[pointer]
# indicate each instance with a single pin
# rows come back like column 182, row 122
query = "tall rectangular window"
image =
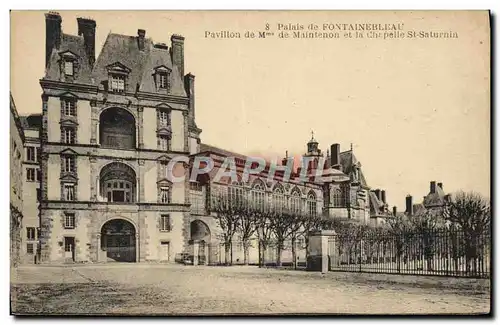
column 68, row 68
column 29, row 248
column 163, row 117
column 38, row 174
column 68, row 135
column 30, row 174
column 163, row 80
column 165, row 222
column 31, row 154
column 69, row 107
column 118, row 83
column 69, row 164
column 37, row 154
column 163, row 142
column 68, row 192
column 164, row 195
column 30, row 233
column 69, row 220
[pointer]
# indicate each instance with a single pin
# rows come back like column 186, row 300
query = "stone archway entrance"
column 200, row 240
column 118, row 241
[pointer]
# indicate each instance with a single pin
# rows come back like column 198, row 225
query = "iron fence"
column 440, row 252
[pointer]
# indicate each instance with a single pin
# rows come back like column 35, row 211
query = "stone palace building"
column 94, row 168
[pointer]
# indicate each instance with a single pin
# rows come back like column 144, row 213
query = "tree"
column 425, row 224
column 401, row 231
column 284, row 225
column 248, row 225
column 471, row 213
column 227, row 213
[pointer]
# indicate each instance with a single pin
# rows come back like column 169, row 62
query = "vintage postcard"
column 250, row 162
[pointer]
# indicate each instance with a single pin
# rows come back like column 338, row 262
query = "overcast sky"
column 415, row 110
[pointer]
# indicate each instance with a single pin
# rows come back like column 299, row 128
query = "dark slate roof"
column 75, row 45
column 125, row 50
column 347, row 161
column 31, row 121
column 418, row 208
column 121, row 49
column 434, row 199
column 206, row 147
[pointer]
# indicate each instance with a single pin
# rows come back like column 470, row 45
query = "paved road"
column 175, row 289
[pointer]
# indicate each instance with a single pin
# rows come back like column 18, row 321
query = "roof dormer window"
column 117, row 77
column 117, row 83
column 162, row 78
column 68, row 67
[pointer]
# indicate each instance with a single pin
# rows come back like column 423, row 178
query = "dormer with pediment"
column 162, row 76
column 118, row 77
column 69, row 66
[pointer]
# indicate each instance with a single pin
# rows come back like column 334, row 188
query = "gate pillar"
column 318, row 250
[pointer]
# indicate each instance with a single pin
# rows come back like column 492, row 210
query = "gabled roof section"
column 347, row 162
column 160, row 59
column 75, row 45
column 375, row 204
column 31, row 121
column 122, row 49
column 435, row 199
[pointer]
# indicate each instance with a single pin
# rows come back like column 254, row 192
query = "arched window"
column 279, row 201
column 338, row 198
column 118, row 183
column 117, row 129
column 311, row 204
column 236, row 194
column 258, row 196
column 295, row 202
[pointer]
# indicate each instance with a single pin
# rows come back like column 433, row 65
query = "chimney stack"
column 284, row 161
column 409, row 205
column 382, row 196
column 394, row 210
column 141, row 35
column 177, row 52
column 52, row 33
column 377, row 194
column 189, row 87
column 433, row 187
column 440, row 185
column 335, row 155
column 86, row 27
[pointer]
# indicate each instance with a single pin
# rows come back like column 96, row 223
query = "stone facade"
column 109, row 127
column 16, row 184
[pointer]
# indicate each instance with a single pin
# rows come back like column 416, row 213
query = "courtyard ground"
column 142, row 289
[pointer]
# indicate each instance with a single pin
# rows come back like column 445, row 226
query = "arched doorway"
column 200, row 235
column 118, row 241
column 117, row 129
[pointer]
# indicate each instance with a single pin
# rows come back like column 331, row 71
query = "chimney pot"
column 382, row 196
column 335, row 155
column 440, row 185
column 409, row 205
column 86, row 27
column 177, row 52
column 141, row 34
column 394, row 210
column 53, row 34
column 433, row 187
